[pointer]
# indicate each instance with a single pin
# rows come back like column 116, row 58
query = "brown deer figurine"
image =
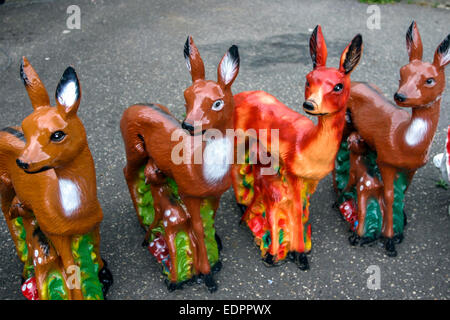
column 148, row 132
column 401, row 139
column 367, row 184
column 49, row 194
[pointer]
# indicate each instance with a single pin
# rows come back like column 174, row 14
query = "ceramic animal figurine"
column 365, row 182
column 442, row 160
column 176, row 201
column 49, row 195
column 398, row 141
column 276, row 207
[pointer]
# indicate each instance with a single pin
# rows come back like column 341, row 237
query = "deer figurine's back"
column 177, row 153
column 277, row 206
column 400, row 141
column 49, row 196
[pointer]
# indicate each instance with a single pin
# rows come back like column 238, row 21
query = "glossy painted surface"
column 401, row 139
column 147, row 132
column 49, row 175
column 306, row 152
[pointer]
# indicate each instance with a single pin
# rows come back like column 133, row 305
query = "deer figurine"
column 152, row 135
column 49, row 195
column 399, row 141
column 367, row 184
column 277, row 206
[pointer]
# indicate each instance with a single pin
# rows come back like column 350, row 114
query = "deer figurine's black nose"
column 399, row 97
column 308, row 105
column 187, row 126
column 21, row 164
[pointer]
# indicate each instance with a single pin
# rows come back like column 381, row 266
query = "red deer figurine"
column 277, row 206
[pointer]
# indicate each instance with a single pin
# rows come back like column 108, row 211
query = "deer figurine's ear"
column 68, row 92
column 442, row 54
column 318, row 48
column 414, row 43
column 35, row 88
column 228, row 67
column 193, row 60
column 351, row 55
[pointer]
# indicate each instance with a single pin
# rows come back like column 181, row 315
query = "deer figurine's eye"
column 307, row 83
column 430, row 82
column 217, row 105
column 338, row 87
column 57, row 136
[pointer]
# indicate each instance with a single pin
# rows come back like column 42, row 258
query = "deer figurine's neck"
column 76, row 183
column 316, row 151
column 422, row 126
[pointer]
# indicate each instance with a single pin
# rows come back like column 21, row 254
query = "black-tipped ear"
column 36, row 90
column 68, row 92
column 193, row 60
column 229, row 66
column 351, row 55
column 442, row 54
column 318, row 48
column 414, row 43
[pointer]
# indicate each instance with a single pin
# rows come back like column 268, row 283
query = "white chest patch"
column 69, row 195
column 416, row 132
column 217, row 157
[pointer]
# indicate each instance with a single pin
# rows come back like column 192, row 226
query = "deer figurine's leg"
column 297, row 244
column 388, row 176
column 136, row 157
column 63, row 246
column 170, row 239
column 362, row 206
column 202, row 264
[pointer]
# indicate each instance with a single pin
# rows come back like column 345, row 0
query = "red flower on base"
column 158, row 248
column 349, row 211
column 29, row 289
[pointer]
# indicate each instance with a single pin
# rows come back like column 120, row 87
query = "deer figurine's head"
column 54, row 135
column 422, row 83
column 209, row 103
column 327, row 89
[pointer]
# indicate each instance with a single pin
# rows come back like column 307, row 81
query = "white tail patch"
column 228, row 68
column 69, row 195
column 416, row 132
column 68, row 94
column 217, row 158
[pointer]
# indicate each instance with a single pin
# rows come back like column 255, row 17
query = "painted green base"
column 54, row 287
column 373, row 221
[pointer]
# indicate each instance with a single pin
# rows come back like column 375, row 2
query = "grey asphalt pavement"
column 128, row 52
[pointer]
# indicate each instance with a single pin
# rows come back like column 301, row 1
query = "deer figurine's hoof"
column 268, row 260
column 106, row 278
column 145, row 243
column 398, row 238
column 210, row 282
column 389, row 245
column 217, row 267
column 242, row 208
column 300, row 259
column 171, row 286
column 354, row 239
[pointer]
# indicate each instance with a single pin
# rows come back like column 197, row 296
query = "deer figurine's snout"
column 22, row 165
column 399, row 97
